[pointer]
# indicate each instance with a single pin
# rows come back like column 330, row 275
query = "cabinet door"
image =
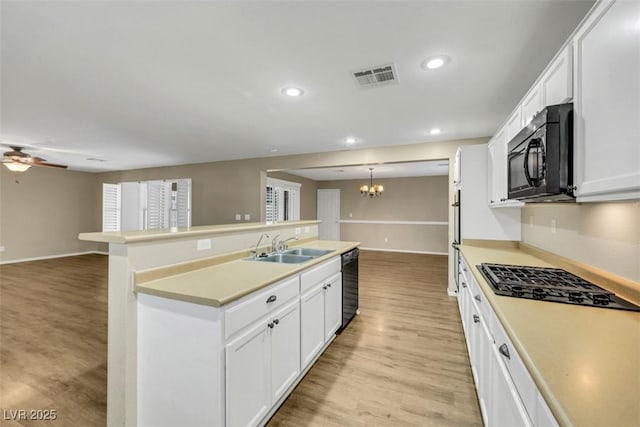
column 332, row 306
column 557, row 81
column 285, row 349
column 531, row 105
column 513, row 125
column 311, row 323
column 607, row 105
column 247, row 372
column 505, row 407
column 497, row 169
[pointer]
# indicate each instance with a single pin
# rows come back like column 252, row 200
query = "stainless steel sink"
column 283, row 258
column 307, row 252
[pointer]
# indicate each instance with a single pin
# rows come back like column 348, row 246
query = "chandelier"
column 371, row 190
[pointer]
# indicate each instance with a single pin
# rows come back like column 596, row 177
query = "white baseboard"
column 40, row 258
column 403, row 251
column 452, row 293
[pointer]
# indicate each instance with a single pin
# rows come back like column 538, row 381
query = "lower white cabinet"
column 261, row 365
column 507, row 394
column 321, row 316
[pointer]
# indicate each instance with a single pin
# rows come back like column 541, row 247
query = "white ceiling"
column 386, row 170
column 142, row 84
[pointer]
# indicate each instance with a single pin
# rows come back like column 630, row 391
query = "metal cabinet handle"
column 270, row 325
column 476, row 318
column 504, row 350
column 276, row 321
column 324, row 287
column 328, row 285
column 272, row 298
column 464, row 269
column 502, row 199
column 477, row 298
column 464, row 285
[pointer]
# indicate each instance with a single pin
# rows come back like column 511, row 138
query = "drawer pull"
column 272, row 298
column 276, row 321
column 324, row 287
column 270, row 325
column 504, row 350
column 464, row 285
column 476, row 318
column 328, row 285
column 477, row 298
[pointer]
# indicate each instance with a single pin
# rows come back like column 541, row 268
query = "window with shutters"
column 282, row 200
column 153, row 205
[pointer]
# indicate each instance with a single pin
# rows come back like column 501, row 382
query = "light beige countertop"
column 223, row 283
column 204, row 230
column 584, row 360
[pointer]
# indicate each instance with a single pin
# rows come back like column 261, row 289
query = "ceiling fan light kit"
column 372, row 190
column 19, row 161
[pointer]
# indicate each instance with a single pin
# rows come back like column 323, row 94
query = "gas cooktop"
column 549, row 284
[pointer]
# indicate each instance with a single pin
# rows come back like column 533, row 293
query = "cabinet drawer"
column 477, row 295
column 319, row 273
column 517, row 370
column 256, row 306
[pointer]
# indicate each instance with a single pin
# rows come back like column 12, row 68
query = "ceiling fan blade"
column 49, row 165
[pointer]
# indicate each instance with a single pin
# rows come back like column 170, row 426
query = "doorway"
column 329, row 214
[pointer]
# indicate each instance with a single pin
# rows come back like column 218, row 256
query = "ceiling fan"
column 17, row 160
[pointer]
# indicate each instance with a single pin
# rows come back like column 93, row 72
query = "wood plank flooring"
column 53, row 340
column 402, row 361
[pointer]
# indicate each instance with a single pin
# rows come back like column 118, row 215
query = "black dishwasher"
column 349, row 286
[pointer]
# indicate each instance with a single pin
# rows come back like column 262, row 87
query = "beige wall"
column 43, row 210
column 604, row 235
column 404, row 199
column 308, row 193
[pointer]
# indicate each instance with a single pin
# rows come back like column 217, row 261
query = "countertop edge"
column 124, row 237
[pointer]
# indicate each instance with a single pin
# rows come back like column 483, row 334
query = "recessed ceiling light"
column 435, row 131
column 350, row 140
column 434, row 62
column 292, row 91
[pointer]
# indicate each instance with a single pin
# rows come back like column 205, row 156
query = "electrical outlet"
column 247, row 217
column 238, row 217
column 350, row 214
column 553, row 226
column 1, row 248
column 204, row 244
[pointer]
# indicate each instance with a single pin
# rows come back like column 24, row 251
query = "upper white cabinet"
column 607, row 103
column 556, row 83
column 513, row 125
column 531, row 105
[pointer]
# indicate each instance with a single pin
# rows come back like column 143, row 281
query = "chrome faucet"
column 283, row 243
column 255, row 252
column 274, row 244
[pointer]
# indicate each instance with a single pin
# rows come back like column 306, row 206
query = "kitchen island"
column 584, row 361
column 142, row 264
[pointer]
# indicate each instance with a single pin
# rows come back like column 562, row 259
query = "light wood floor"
column 53, row 340
column 402, row 361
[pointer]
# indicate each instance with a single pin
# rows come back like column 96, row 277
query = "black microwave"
column 540, row 157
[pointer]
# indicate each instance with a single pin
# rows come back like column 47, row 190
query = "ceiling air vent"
column 376, row 76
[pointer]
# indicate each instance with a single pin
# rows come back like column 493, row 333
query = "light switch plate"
column 1, row 248
column 247, row 217
column 238, row 217
column 204, row 244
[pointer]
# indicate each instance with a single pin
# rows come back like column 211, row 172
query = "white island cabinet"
column 607, row 103
column 233, row 365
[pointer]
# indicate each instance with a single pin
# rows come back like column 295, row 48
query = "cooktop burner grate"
column 549, row 284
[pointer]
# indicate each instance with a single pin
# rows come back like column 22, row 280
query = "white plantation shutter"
column 111, row 207
column 282, row 200
column 158, row 199
column 184, row 202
